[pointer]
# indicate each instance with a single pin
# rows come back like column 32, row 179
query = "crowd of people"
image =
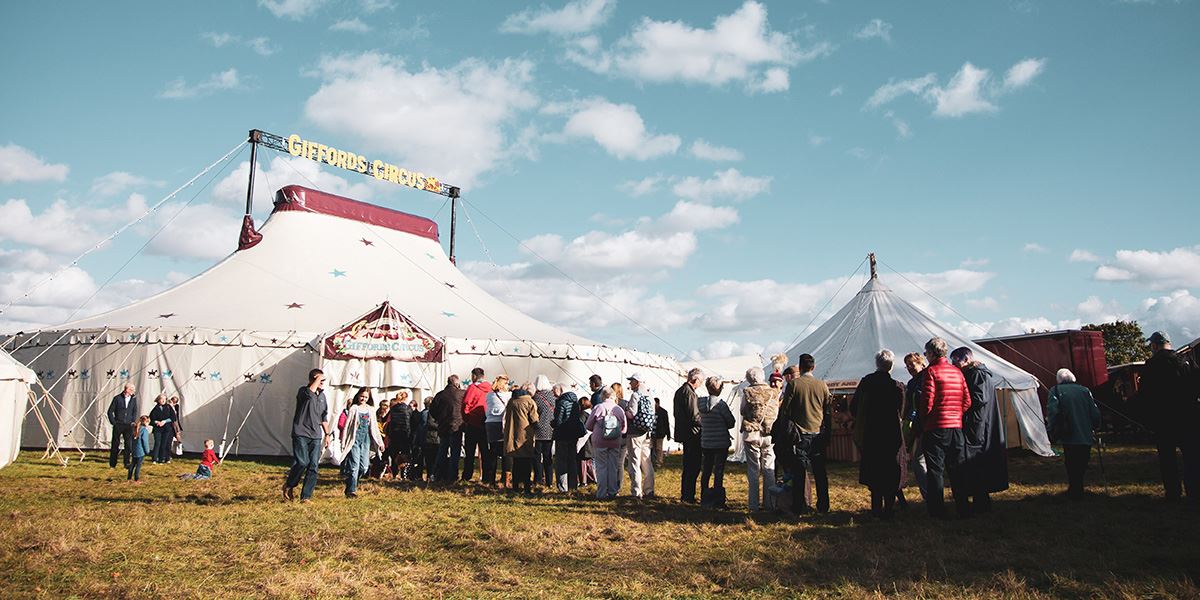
column 944, row 425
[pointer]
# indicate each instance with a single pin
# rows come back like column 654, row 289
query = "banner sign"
column 298, row 146
column 383, row 334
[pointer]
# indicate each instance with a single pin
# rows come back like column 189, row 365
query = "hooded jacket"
column 715, row 421
column 520, row 425
column 474, row 404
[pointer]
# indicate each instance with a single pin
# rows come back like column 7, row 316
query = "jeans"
column 712, row 464
column 639, row 466
column 916, row 466
column 1076, row 456
column 760, row 463
column 495, row 440
column 162, row 443
column 809, row 457
column 449, row 450
column 1168, row 462
column 691, row 470
column 566, row 463
column 522, row 471
column 358, row 460
column 943, row 450
column 429, row 455
column 543, row 462
column 121, row 433
column 306, row 456
column 608, row 471
column 656, row 452
column 135, row 468
column 476, row 437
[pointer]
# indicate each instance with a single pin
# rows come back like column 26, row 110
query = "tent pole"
column 453, row 221
column 255, row 138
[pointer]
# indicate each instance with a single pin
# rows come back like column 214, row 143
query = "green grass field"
column 82, row 531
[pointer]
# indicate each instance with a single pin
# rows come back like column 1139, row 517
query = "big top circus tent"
column 365, row 292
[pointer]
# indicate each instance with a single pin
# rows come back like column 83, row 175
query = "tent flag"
column 383, row 334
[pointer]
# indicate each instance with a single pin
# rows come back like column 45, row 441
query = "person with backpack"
column 639, row 462
column 607, row 424
column 568, row 428
column 715, row 421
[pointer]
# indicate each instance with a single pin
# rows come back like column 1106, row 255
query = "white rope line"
column 478, row 237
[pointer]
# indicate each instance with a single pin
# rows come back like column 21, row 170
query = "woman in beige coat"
column 520, row 430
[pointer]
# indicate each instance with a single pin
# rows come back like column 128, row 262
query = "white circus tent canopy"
column 844, row 348
column 15, row 382
column 237, row 340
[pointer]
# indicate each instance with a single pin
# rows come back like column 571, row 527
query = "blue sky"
column 711, row 171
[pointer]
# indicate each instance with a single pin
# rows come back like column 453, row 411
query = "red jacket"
column 209, row 459
column 475, row 403
column 944, row 396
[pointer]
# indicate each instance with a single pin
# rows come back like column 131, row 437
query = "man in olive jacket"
column 806, row 401
column 687, row 433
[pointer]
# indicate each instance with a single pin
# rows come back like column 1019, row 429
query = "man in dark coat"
column 122, row 414
column 446, row 411
column 876, row 408
column 1169, row 397
column 986, row 466
column 687, row 433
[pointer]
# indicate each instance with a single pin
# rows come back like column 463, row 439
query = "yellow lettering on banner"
column 391, row 173
column 420, row 183
column 322, row 152
column 341, row 159
column 298, row 146
column 293, row 145
column 377, row 169
column 362, row 164
column 313, row 151
column 402, row 176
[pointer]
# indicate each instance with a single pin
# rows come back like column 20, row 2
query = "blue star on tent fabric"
column 223, row 338
column 337, row 273
column 430, row 256
column 264, row 378
column 124, row 373
column 447, row 313
column 166, row 374
column 85, row 374
column 215, row 376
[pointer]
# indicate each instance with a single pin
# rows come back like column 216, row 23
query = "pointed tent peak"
column 874, row 285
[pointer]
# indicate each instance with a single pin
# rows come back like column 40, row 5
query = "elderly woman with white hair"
column 1071, row 417
column 876, row 406
column 760, row 408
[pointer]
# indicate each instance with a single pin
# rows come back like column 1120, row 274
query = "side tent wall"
column 1023, row 422
column 218, row 386
column 14, row 400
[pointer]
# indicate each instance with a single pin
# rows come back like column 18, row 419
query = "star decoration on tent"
column 430, row 256
column 447, row 313
column 473, row 348
column 223, row 339
column 167, row 374
column 166, row 315
column 264, row 378
column 111, row 373
column 198, row 375
column 214, row 376
column 450, row 285
column 367, row 242
column 337, row 273
column 85, row 374
column 295, row 305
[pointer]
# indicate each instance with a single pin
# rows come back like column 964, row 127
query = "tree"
column 1124, row 342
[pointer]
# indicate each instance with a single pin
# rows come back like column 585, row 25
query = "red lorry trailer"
column 1043, row 354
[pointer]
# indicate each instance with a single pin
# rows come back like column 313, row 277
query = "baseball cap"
column 1159, row 337
column 636, row 377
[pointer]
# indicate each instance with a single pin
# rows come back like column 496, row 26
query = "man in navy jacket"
column 122, row 414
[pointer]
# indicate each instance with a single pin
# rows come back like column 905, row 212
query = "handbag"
column 177, row 446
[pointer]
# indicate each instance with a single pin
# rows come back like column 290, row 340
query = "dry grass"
column 82, row 531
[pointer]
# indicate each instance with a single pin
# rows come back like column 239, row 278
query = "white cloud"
column 579, row 16
column 739, row 48
column 641, row 187
column 859, row 152
column 453, row 123
column 118, row 182
column 706, row 151
column 837, row 90
column 1177, row 313
column 619, row 129
column 374, row 6
column 71, row 294
column 1095, row 310
column 985, row 303
column 692, row 216
column 816, row 141
column 1078, row 255
column 291, row 9
column 902, row 129
column 875, row 28
column 60, row 228
column 963, row 95
column 1178, row 268
column 974, row 262
column 1019, row 326
column 354, row 25
column 728, row 184
column 260, row 45
column 179, row 88
column 18, row 164
column 200, row 231
column 1023, row 73
column 894, row 89
column 281, row 171
column 1033, row 247
column 718, row 349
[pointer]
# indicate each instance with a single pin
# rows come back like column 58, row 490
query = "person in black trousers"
column 687, row 433
column 163, row 419
column 122, row 414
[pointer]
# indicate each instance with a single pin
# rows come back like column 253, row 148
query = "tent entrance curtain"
column 1022, row 428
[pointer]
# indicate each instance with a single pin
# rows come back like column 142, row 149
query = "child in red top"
column 208, row 462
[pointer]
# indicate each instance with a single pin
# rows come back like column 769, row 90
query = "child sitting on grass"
column 208, row 462
column 141, row 447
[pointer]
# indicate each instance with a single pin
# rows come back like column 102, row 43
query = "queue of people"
column 944, row 425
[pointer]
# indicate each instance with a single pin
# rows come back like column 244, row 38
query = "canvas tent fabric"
column 236, row 341
column 15, row 382
column 844, row 348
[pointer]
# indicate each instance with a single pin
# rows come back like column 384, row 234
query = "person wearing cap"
column 1166, row 393
column 640, row 415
